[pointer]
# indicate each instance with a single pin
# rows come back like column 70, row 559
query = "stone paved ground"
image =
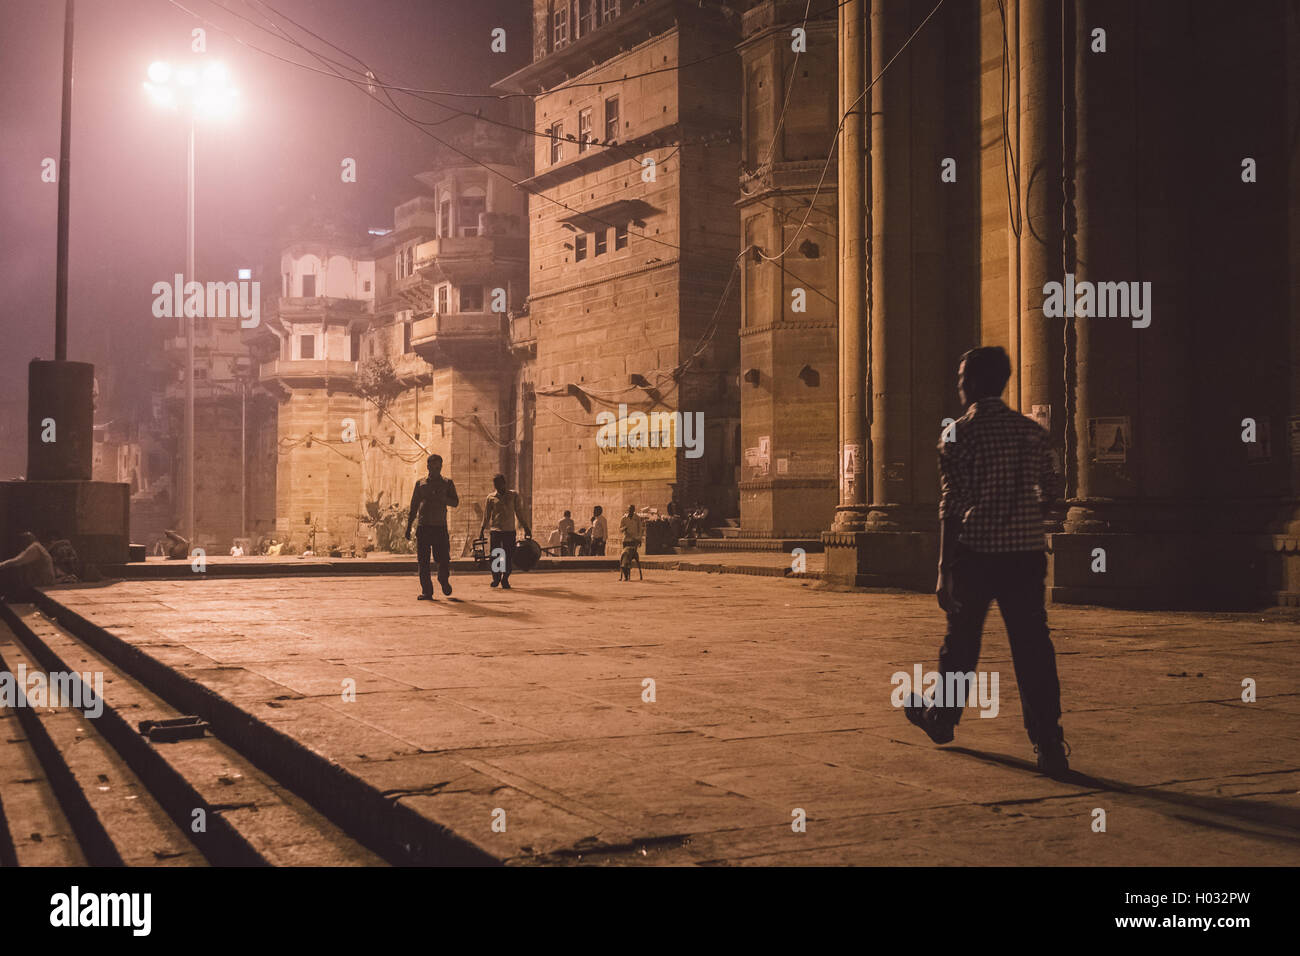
column 771, row 695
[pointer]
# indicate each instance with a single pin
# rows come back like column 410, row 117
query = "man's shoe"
column 1052, row 752
column 928, row 719
column 425, row 597
column 495, row 584
column 506, row 585
column 446, row 587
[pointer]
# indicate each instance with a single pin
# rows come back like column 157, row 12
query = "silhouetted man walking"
column 500, row 510
column 430, row 499
column 997, row 479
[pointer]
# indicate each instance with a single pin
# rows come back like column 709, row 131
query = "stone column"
column 1106, row 201
column 1038, row 248
column 909, row 244
column 851, row 513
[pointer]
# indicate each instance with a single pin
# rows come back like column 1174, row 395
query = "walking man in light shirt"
column 503, row 506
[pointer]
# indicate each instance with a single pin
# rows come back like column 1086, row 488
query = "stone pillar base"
column 1169, row 570
column 882, row 559
column 93, row 515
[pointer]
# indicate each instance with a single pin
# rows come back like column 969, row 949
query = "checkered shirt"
column 995, row 475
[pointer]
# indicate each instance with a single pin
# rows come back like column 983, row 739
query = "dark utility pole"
column 65, row 141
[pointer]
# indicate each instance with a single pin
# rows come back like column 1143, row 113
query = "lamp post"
column 244, row 375
column 205, row 93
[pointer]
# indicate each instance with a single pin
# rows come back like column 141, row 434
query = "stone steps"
column 193, row 801
column 339, row 817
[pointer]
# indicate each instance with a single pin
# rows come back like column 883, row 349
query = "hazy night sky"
column 128, row 157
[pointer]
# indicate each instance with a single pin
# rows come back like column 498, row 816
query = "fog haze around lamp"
column 205, row 93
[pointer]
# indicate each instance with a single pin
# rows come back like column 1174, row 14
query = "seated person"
column 32, row 567
column 565, row 528
column 177, row 547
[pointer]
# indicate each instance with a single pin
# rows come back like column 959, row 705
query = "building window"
column 557, row 143
column 586, row 13
column 406, row 337
column 306, row 346
column 620, row 236
column 443, row 306
column 473, row 203
column 354, row 341
column 309, row 287
column 367, row 286
column 444, row 217
column 471, row 298
column 608, row 10
column 584, row 129
column 579, row 248
column 602, row 238
column 410, row 260
column 562, row 25
column 611, row 119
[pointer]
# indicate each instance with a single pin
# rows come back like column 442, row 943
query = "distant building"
column 633, row 235
column 384, row 350
column 233, row 444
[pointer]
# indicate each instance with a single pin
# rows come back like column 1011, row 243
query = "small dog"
column 625, row 562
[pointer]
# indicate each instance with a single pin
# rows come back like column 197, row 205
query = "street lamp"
column 243, row 372
column 202, row 93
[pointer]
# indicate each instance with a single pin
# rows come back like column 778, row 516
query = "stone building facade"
column 633, row 237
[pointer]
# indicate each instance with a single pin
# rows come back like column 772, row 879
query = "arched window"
column 473, row 203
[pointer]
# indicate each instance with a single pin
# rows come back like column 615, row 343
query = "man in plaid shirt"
column 997, row 478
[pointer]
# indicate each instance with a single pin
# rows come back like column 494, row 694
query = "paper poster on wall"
column 1043, row 415
column 1110, row 438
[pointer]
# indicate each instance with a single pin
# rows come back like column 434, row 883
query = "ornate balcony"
column 305, row 373
column 462, row 259
column 459, row 336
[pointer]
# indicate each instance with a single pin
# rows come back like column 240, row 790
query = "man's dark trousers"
column 1016, row 580
column 432, row 539
column 505, row 540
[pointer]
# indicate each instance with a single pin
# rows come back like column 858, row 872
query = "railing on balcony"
column 307, row 369
column 452, row 329
column 484, row 247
